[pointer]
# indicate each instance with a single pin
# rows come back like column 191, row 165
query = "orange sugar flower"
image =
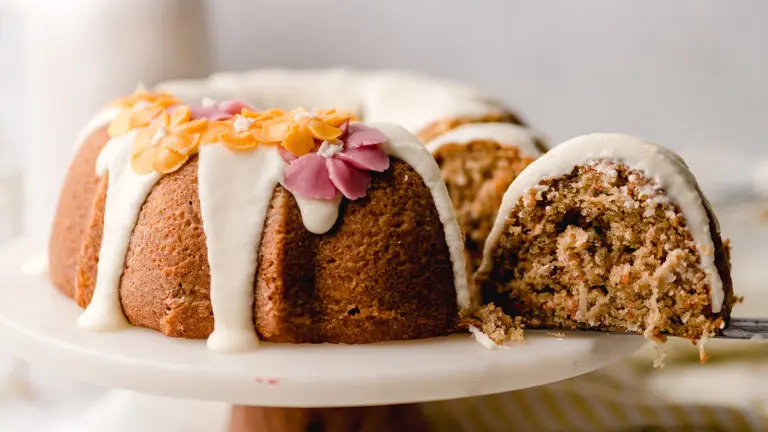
column 298, row 129
column 215, row 129
column 243, row 132
column 168, row 142
column 138, row 110
column 139, row 95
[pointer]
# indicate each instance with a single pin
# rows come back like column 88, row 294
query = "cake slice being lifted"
column 609, row 232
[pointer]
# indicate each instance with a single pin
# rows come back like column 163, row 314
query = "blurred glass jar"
column 80, row 54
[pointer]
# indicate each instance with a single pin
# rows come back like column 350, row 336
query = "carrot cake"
column 219, row 221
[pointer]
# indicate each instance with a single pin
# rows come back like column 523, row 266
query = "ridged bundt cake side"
column 189, row 217
column 75, row 205
column 360, row 282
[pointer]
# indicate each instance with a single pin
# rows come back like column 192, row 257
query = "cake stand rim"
column 184, row 368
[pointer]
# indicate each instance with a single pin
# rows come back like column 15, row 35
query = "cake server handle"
column 746, row 328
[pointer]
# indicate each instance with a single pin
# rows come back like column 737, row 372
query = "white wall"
column 10, row 135
column 10, row 53
column 689, row 74
column 681, row 72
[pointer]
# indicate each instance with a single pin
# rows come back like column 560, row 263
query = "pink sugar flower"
column 215, row 111
column 339, row 165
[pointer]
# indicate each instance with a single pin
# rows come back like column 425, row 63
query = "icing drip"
column 406, row 147
column 126, row 192
column 100, row 120
column 664, row 166
column 505, row 134
column 319, row 215
column 235, row 191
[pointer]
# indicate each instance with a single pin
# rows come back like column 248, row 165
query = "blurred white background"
column 688, row 74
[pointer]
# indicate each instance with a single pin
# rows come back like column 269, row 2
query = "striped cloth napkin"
column 617, row 398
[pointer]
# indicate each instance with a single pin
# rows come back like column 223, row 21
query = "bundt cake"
column 609, row 232
column 222, row 222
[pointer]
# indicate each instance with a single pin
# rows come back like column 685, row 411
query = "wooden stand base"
column 358, row 419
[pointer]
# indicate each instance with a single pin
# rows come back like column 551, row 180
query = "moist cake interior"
column 601, row 247
column 477, row 174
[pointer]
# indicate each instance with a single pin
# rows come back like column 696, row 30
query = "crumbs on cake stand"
column 491, row 327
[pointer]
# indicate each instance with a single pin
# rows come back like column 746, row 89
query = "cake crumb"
column 557, row 334
column 489, row 324
column 703, row 354
column 659, row 340
column 661, row 352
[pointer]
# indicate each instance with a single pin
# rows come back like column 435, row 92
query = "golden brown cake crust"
column 72, row 214
column 382, row 273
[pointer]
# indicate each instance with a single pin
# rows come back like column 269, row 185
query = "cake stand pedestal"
column 39, row 325
column 386, row 418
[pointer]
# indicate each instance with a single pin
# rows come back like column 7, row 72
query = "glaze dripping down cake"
column 179, row 214
column 609, row 232
column 221, row 222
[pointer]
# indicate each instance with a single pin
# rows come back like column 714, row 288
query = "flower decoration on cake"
column 244, row 132
column 298, row 130
column 138, row 110
column 339, row 164
column 168, row 142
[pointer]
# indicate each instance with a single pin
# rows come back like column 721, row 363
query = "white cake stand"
column 39, row 325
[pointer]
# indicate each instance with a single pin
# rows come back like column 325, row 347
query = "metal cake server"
column 738, row 329
column 746, row 328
